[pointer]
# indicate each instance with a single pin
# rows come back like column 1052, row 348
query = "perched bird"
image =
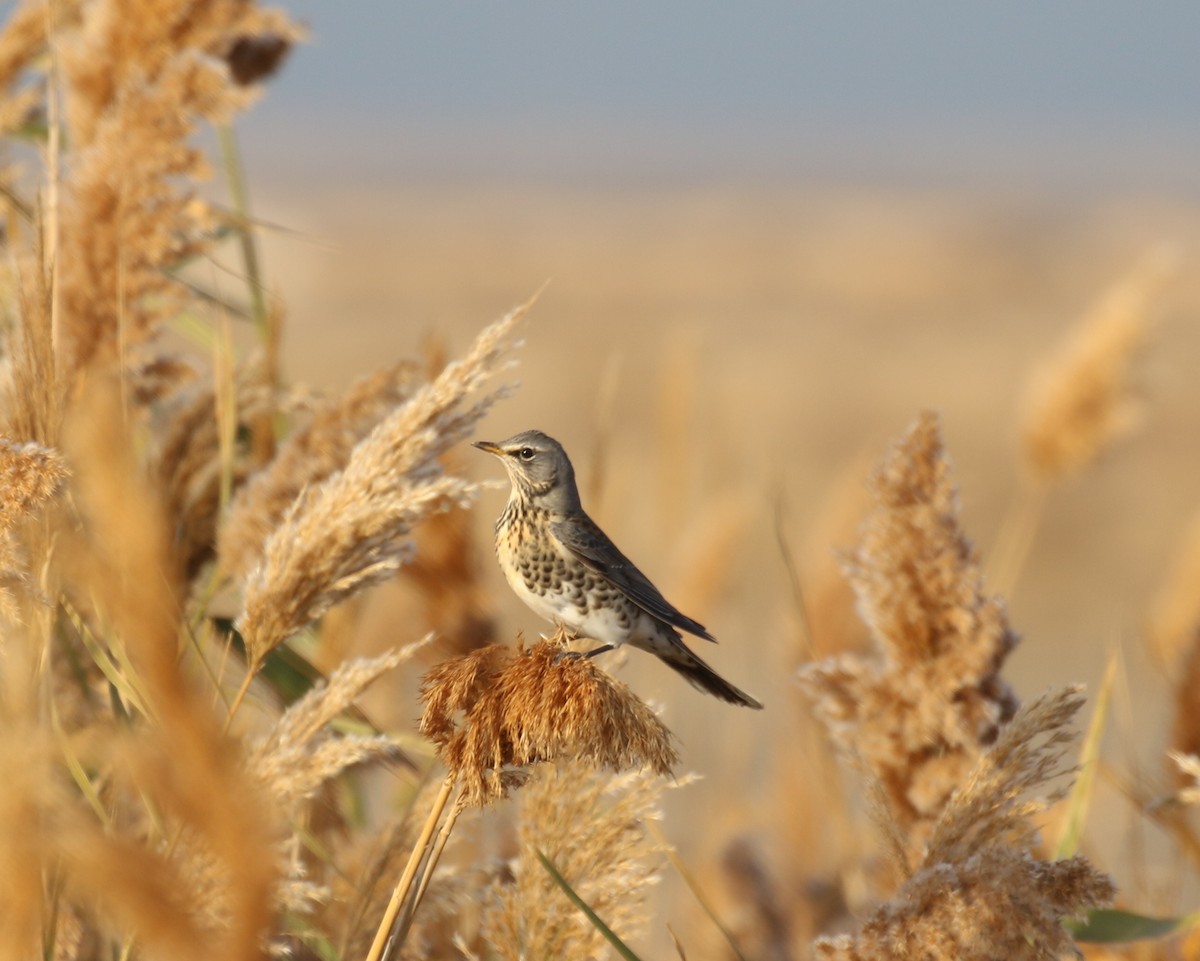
column 565, row 568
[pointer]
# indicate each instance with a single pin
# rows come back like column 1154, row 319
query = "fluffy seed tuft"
column 495, row 711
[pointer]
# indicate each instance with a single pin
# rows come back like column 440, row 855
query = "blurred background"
column 774, row 233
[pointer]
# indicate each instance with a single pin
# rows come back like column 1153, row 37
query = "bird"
column 565, row 568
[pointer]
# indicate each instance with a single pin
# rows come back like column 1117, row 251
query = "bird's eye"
column 525, row 453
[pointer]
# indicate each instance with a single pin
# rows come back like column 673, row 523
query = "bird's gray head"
column 538, row 468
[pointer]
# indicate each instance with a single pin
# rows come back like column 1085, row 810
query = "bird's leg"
column 600, row 650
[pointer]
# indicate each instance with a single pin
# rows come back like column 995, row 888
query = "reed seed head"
column 494, row 712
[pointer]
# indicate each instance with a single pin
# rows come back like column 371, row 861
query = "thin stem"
column 434, row 856
column 53, row 155
column 231, row 159
column 404, row 885
column 251, row 670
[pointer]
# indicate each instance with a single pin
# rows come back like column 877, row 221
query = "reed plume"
column 137, row 81
column 981, row 891
column 353, row 530
column 592, row 828
column 1081, row 401
column 312, row 452
column 921, row 710
column 302, row 752
column 494, row 712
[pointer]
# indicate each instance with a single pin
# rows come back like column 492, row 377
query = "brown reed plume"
column 919, row 712
column 981, row 891
column 352, row 530
column 495, row 712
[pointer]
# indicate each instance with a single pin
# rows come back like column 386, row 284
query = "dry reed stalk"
column 122, row 573
column 495, row 712
column 353, row 530
column 34, row 396
column 435, row 851
column 593, row 828
column 1081, row 401
column 309, row 455
column 922, row 710
column 981, row 892
column 366, row 893
column 400, row 894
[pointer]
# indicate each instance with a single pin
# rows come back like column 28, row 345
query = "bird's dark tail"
column 701, row 676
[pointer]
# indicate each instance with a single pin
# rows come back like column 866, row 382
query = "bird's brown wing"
column 580, row 535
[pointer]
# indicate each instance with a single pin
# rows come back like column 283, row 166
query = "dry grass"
column 981, row 891
column 184, row 533
column 612, row 864
column 922, row 710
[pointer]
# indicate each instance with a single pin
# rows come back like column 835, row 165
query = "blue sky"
column 625, row 89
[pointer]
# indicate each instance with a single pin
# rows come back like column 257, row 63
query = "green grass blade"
column 1080, row 800
column 609, row 935
column 1109, row 926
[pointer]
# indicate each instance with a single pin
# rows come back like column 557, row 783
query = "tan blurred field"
column 711, row 354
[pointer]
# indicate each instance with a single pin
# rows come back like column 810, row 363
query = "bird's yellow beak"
column 487, row 445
